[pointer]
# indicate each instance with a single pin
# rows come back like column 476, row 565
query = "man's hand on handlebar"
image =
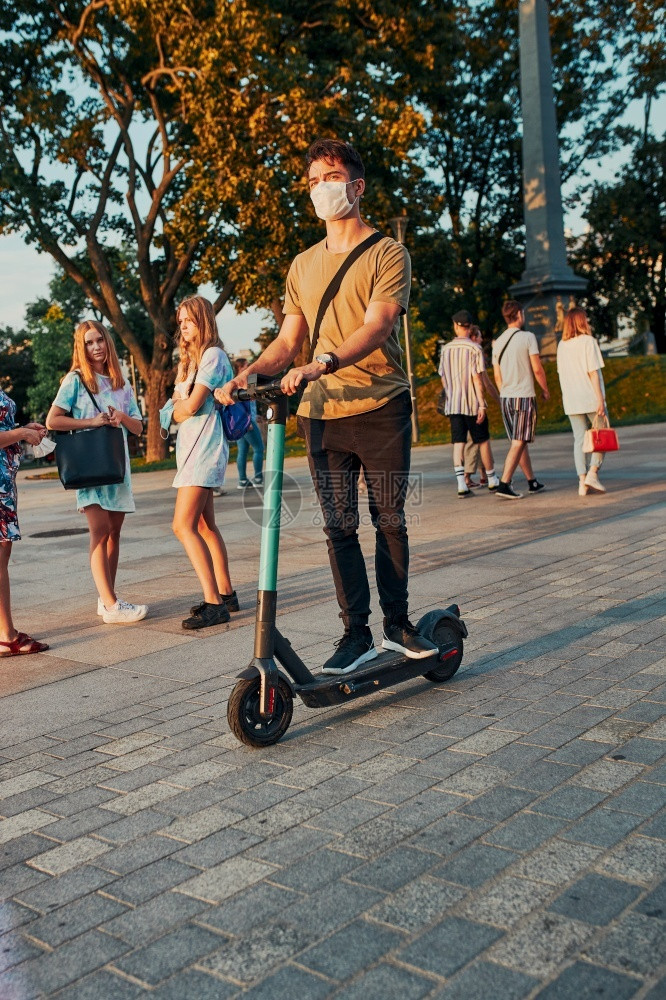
column 223, row 395
column 296, row 376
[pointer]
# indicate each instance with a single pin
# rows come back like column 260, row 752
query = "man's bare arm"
column 379, row 321
column 498, row 377
column 490, row 387
column 275, row 358
column 540, row 375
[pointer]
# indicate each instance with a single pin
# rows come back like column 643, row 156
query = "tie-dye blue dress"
column 10, row 459
column 202, row 450
column 73, row 398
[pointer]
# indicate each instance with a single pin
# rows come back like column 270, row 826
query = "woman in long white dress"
column 579, row 364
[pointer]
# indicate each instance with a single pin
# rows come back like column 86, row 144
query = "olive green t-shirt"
column 382, row 274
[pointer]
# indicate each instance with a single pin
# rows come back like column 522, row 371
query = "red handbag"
column 600, row 439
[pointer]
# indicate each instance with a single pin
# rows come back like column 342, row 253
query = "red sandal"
column 14, row 648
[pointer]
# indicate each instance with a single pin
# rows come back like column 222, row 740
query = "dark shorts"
column 519, row 417
column 461, row 423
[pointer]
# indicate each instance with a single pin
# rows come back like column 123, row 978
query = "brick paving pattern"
column 503, row 834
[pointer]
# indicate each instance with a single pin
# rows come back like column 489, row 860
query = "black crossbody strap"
column 499, row 360
column 334, row 286
column 94, row 401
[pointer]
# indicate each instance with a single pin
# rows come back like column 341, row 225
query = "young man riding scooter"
column 356, row 409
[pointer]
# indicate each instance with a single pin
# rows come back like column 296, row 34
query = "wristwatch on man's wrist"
column 330, row 360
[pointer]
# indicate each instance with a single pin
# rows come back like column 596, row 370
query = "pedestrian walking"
column 202, row 452
column 253, row 440
column 472, row 456
column 516, row 364
column 461, row 368
column 95, row 393
column 356, row 409
column 12, row 642
column 579, row 364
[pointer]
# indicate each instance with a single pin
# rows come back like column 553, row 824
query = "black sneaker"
column 355, row 647
column 210, row 614
column 505, row 491
column 535, row 486
column 401, row 635
column 231, row 601
column 466, row 493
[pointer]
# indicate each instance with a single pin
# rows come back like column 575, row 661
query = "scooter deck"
column 388, row 669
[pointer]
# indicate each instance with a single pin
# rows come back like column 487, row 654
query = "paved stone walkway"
column 501, row 835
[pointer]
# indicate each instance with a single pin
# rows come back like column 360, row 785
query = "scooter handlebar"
column 259, row 387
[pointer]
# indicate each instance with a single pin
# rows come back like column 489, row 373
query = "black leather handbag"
column 92, row 457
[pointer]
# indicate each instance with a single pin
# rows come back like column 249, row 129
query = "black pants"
column 379, row 442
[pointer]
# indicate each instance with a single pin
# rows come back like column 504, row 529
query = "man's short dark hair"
column 334, row 149
column 510, row 310
column 463, row 318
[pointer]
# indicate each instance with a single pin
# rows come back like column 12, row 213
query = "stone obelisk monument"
column 548, row 286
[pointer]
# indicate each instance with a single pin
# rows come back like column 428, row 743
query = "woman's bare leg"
column 116, row 518
column 190, row 504
column 215, row 544
column 99, row 526
column 7, row 630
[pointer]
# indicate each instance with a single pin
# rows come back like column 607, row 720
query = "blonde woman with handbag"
column 94, row 393
column 579, row 364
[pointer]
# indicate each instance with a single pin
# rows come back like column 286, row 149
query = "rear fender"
column 429, row 622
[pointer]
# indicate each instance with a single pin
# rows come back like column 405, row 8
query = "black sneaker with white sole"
column 400, row 635
column 505, row 491
column 535, row 486
column 356, row 647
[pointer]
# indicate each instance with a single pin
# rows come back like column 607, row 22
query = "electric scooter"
column 261, row 704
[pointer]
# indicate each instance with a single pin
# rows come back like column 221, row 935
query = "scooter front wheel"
column 245, row 720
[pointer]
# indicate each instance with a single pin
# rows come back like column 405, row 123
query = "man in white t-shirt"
column 516, row 364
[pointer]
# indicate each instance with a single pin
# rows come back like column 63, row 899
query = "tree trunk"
column 158, row 379
column 157, row 388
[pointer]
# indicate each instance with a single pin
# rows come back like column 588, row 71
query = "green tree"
column 623, row 253
column 16, row 369
column 469, row 94
column 176, row 130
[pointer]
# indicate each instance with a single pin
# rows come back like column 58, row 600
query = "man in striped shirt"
column 461, row 367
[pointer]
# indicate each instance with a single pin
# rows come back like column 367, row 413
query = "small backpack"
column 236, row 419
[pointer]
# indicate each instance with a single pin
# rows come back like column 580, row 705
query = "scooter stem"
column 270, row 529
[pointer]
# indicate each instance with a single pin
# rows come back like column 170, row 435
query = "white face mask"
column 330, row 200
column 44, row 448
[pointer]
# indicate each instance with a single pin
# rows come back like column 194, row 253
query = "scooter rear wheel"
column 244, row 719
column 446, row 636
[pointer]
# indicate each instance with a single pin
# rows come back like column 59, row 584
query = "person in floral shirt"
column 12, row 642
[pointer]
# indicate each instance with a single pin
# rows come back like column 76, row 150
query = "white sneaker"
column 123, row 613
column 100, row 607
column 592, row 480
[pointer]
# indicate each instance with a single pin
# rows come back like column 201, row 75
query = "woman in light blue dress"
column 202, row 452
column 95, row 370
